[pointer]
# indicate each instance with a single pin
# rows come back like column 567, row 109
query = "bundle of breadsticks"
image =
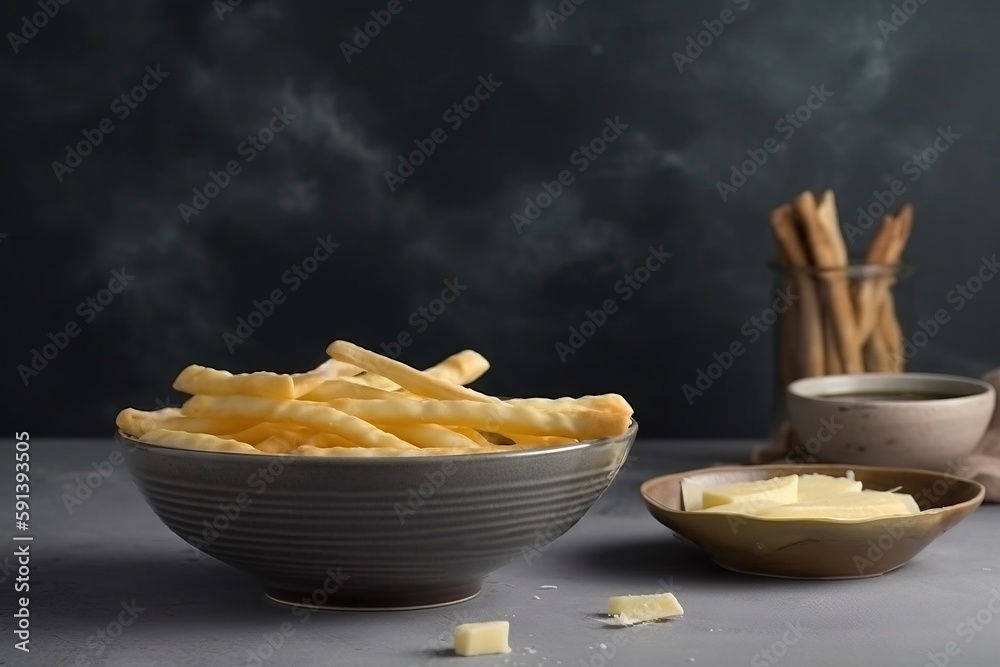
column 360, row 403
column 843, row 315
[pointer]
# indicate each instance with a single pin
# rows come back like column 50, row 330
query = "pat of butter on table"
column 482, row 638
column 632, row 609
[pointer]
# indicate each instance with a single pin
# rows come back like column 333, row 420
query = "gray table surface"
column 191, row 610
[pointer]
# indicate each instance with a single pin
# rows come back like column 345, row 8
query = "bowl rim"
column 264, row 457
column 980, row 388
column 778, row 467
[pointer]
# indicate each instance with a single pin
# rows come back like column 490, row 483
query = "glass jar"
column 840, row 320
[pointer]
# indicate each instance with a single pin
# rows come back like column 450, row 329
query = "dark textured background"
column 324, row 176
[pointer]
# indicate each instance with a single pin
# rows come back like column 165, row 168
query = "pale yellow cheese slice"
column 482, row 638
column 691, row 494
column 632, row 609
column 911, row 505
column 777, row 489
column 863, row 505
column 742, row 506
column 815, row 486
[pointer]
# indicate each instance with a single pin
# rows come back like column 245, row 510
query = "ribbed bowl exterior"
column 373, row 532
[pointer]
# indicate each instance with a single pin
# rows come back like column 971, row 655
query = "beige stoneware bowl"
column 848, row 419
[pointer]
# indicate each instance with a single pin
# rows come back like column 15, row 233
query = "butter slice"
column 691, row 492
column 776, row 489
column 815, row 486
column 632, row 609
column 749, row 507
column 482, row 638
column 856, row 506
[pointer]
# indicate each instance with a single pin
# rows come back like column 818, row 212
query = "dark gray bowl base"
column 399, row 601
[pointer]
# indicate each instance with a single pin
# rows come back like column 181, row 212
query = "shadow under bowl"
column 373, row 533
column 816, row 548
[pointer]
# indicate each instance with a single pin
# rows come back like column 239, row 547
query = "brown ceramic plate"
column 816, row 548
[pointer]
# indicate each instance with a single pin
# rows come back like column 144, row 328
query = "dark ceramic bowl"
column 378, row 532
column 816, row 548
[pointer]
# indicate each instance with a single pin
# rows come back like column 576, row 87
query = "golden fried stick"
column 493, row 417
column 460, row 368
column 312, row 415
column 610, row 402
column 407, row 377
column 198, row 441
column 430, row 435
column 139, row 422
column 332, row 389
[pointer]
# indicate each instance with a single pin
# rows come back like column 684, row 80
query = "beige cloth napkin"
column 982, row 465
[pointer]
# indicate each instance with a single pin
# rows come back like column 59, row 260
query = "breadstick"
column 491, row 417
column 870, row 293
column 887, row 249
column 332, row 389
column 788, row 326
column 840, row 304
column 138, row 422
column 407, row 377
column 199, row 441
column 832, row 355
column 826, row 212
column 611, row 402
column 429, row 435
column 313, row 415
column 810, row 352
column 892, row 333
column 461, row 368
column 878, row 358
